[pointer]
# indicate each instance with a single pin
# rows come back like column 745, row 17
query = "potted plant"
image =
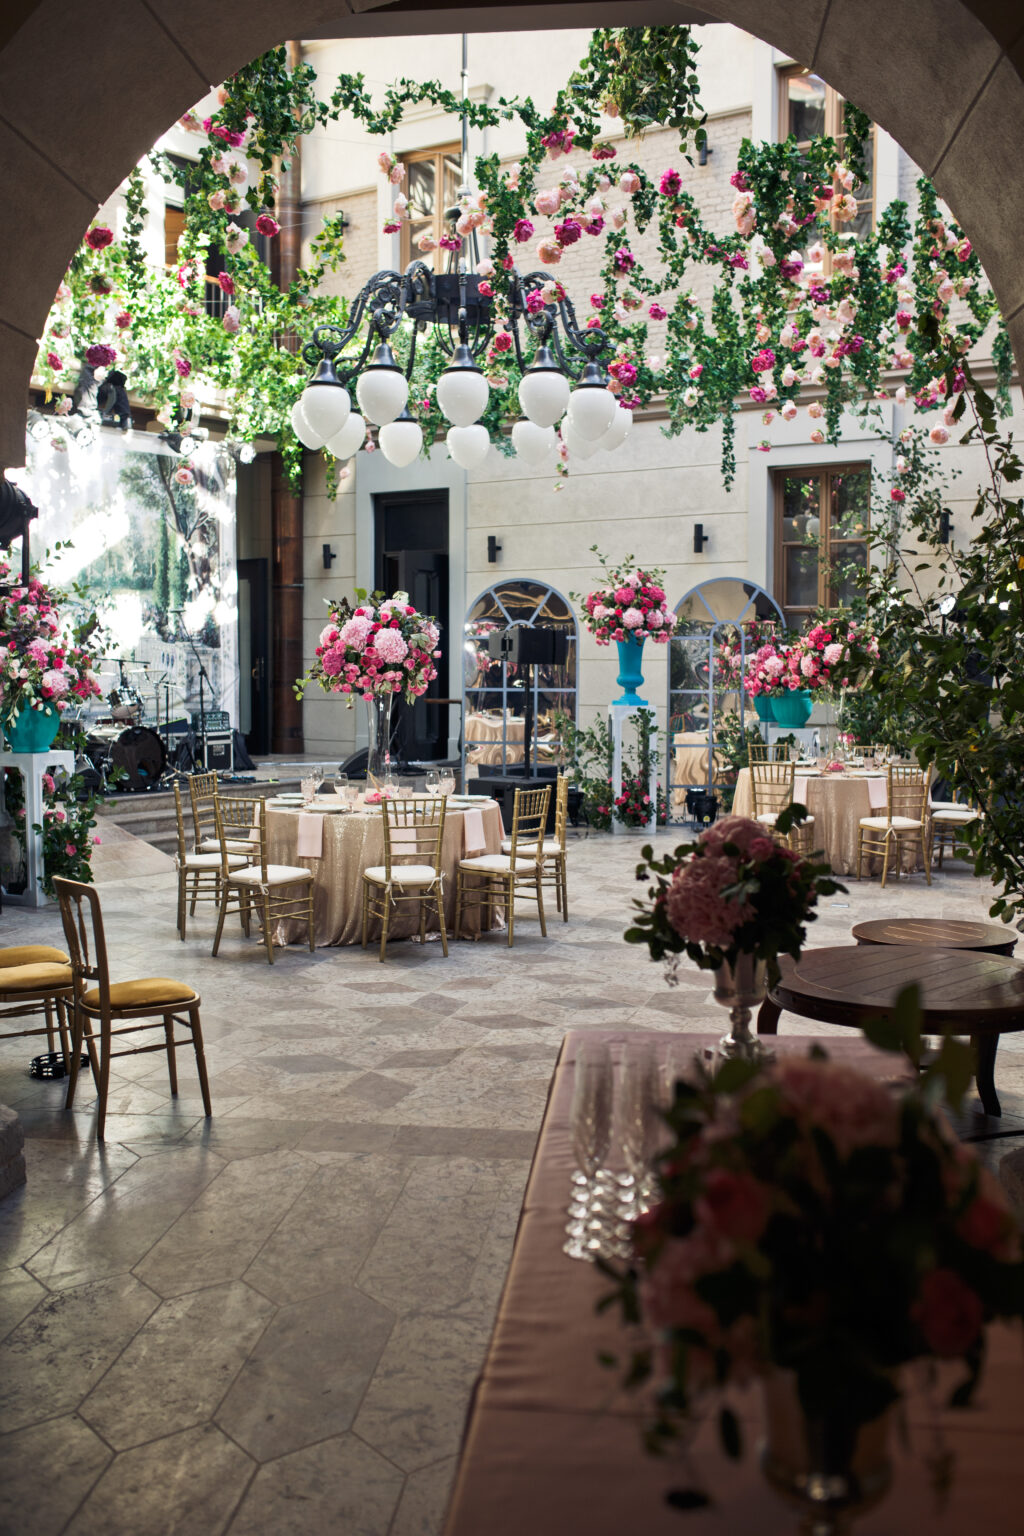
column 42, row 669
column 629, row 609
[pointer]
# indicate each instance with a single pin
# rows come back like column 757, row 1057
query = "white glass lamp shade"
column 469, row 446
column 622, row 425
column 544, row 395
column 382, row 393
column 350, row 439
column 592, row 410
column 579, row 447
column 532, row 444
column 302, row 429
column 325, row 408
column 401, row 441
column 462, row 393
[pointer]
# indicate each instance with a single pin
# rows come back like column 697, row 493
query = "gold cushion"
column 151, row 991
column 32, row 954
column 34, row 978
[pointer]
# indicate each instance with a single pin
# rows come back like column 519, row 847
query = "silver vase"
column 740, row 987
column 827, row 1468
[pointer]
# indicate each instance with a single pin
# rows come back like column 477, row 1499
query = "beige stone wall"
column 360, row 241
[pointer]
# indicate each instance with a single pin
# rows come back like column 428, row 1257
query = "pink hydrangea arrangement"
column 809, row 1218
column 735, row 891
column 382, row 646
column 631, row 604
column 830, row 656
column 766, row 673
column 41, row 666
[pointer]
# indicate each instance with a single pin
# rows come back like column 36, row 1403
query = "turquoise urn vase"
column 631, row 677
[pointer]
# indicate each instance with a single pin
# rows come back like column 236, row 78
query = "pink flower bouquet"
column 41, row 667
column 631, row 604
column 811, row 1219
column 381, row 647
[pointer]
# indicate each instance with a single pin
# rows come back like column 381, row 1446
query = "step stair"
column 149, row 815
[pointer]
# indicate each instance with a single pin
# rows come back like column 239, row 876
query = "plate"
column 328, row 805
column 290, row 799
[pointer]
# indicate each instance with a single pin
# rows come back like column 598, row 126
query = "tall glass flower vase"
column 378, row 721
column 631, row 677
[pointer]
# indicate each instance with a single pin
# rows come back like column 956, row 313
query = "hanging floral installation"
column 803, row 317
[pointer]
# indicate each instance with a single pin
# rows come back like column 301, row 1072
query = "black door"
column 253, row 658
column 411, row 543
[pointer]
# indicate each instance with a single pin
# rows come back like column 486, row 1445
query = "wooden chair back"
column 561, row 810
column 202, row 791
column 240, row 819
column 180, row 827
column 768, row 752
column 908, row 791
column 82, row 918
column 772, row 786
column 413, row 832
column 529, row 823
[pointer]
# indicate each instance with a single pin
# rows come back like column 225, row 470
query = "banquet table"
column 690, row 763
column 553, row 1444
column 837, row 801
column 354, row 841
column 484, row 739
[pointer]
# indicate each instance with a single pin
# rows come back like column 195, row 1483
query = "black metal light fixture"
column 945, row 525
column 493, row 549
column 329, row 555
column 700, row 538
column 703, row 152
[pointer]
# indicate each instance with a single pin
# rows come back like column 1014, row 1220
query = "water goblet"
column 308, row 786
column 447, row 781
column 352, row 795
column 433, row 782
column 340, row 784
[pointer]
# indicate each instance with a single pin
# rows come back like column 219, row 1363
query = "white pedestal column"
column 618, row 714
column 32, row 766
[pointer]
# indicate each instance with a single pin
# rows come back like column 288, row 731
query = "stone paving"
column 269, row 1323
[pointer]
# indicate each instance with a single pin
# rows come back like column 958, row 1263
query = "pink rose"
column 629, row 182
column 267, row 225
column 548, row 203
column 549, row 252
column 949, row 1313
column 231, row 319
column 96, row 239
column 734, row 1204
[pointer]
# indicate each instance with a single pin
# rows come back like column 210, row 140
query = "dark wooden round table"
column 942, row 932
column 962, row 991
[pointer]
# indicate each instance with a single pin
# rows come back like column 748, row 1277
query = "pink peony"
column 100, row 355
column 231, row 319
column 629, row 182
column 523, row 231
column 733, row 1204
column 549, row 252
column 96, row 239
column 740, row 831
column 267, row 225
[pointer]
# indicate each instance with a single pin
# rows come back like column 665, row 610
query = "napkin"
column 311, row 837
column 800, row 790
column 254, row 833
column 878, row 793
column 473, row 840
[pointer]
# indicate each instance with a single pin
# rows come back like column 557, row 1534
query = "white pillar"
column 618, row 714
column 32, row 766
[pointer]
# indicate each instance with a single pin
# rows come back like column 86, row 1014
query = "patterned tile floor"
column 270, row 1323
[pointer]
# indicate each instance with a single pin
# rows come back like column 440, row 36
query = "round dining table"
column 338, row 845
column 837, row 801
column 485, row 735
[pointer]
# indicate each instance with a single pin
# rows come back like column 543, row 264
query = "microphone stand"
column 203, row 676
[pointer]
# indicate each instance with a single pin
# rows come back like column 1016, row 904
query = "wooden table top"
column 943, row 932
column 963, row 989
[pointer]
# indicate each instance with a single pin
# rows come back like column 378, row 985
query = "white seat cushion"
column 211, row 861
column 487, row 864
column 882, row 823
column 550, row 847
column 277, row 874
column 235, row 845
column 769, row 818
column 401, row 874
column 959, row 817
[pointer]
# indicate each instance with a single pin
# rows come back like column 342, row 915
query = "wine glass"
column 352, row 794
column 433, row 782
column 308, row 786
column 340, row 784
column 447, row 781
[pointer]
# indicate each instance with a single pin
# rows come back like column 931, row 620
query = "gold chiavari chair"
column 122, row 1007
column 500, row 877
column 555, row 871
column 946, row 822
column 276, row 891
column 904, row 822
column 772, row 788
column 202, row 794
column 413, row 835
column 36, row 980
column 198, row 873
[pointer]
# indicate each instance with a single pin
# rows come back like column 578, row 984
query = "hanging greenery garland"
column 801, row 316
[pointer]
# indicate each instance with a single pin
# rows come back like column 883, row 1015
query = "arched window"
column 720, row 623
column 494, row 692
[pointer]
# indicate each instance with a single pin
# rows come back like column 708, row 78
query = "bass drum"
column 143, row 756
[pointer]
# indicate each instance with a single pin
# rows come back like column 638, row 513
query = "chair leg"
column 510, row 908
column 439, row 897
column 564, row 878
column 540, row 907
column 885, row 859
column 224, row 899
column 268, row 935
column 48, row 1011
column 458, row 904
column 172, row 1065
column 197, row 1046
column 181, row 905
column 312, row 932
column 195, row 894
column 65, row 1039
column 77, row 1028
column 926, row 855
column 423, row 920
column 104, row 1082
column 860, row 850
column 366, row 910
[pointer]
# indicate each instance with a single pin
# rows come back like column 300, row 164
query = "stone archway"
column 84, row 93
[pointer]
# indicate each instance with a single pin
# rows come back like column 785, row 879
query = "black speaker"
column 218, row 756
column 522, row 645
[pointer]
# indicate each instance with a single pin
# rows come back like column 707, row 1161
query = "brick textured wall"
column 361, row 233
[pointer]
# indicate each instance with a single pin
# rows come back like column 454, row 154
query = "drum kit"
column 130, row 738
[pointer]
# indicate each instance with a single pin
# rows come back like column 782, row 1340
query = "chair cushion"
column 500, row 864
column 957, row 818
column 150, row 991
column 769, row 818
column 32, row 954
column 530, row 849
column 882, row 823
column 34, row 978
column 277, row 874
column 235, row 845
column 212, row 861
column 401, row 874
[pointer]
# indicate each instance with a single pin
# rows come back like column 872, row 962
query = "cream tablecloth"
column 352, row 842
column 690, row 764
column 488, row 729
column 837, row 801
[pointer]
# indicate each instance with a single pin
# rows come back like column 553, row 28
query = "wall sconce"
column 700, row 538
column 329, row 555
column 945, row 525
column 703, row 152
column 493, row 549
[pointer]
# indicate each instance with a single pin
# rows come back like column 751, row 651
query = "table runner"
column 553, row 1443
column 353, row 842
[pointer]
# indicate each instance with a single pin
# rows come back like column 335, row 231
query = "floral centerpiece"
column 629, row 608
column 814, row 1229
column 43, row 671
column 766, row 672
column 379, row 649
column 733, row 902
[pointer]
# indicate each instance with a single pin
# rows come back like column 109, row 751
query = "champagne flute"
column 638, row 1122
column 591, row 1126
